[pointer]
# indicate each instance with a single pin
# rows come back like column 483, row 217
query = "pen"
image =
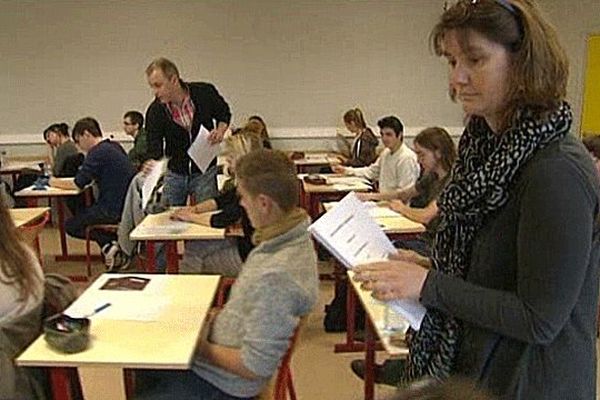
column 98, row 309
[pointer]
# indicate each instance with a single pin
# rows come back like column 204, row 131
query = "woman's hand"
column 398, row 206
column 392, row 280
column 411, row 256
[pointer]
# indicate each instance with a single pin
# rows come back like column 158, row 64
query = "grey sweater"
column 278, row 285
column 529, row 301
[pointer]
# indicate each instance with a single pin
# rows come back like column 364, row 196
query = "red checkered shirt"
column 184, row 114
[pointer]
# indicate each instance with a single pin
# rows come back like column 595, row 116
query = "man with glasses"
column 133, row 125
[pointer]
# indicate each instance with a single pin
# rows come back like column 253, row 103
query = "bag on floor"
column 335, row 312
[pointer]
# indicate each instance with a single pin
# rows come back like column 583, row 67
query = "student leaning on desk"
column 244, row 343
column 224, row 257
column 512, row 292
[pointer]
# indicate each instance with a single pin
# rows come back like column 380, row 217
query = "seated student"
column 223, row 257
column 60, row 148
column 107, row 165
column 592, row 144
column 21, row 296
column 256, row 124
column 436, row 153
column 276, row 287
column 133, row 125
column 396, row 168
column 363, row 151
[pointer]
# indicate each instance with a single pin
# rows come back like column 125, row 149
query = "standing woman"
column 512, row 289
column 363, row 151
column 21, row 295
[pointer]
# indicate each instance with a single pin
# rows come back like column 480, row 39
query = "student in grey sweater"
column 246, row 340
column 512, row 289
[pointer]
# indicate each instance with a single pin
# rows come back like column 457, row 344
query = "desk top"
column 49, row 191
column 18, row 165
column 166, row 320
column 317, row 159
column 393, row 344
column 22, row 216
column 161, row 227
column 336, row 184
column 390, row 221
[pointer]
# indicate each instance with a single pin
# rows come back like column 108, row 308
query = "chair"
column 88, row 231
column 31, row 234
column 282, row 382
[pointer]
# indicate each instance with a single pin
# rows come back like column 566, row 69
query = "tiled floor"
column 318, row 372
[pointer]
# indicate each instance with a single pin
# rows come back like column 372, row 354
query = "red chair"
column 88, row 230
column 282, row 383
column 31, row 234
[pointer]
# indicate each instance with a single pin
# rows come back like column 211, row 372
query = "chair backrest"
column 30, row 234
column 281, row 384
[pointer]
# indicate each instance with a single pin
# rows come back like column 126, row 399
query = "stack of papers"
column 353, row 237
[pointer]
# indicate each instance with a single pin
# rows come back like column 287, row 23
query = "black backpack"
column 335, row 312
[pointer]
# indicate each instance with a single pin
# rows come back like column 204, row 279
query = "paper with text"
column 201, row 151
column 151, row 180
column 353, row 237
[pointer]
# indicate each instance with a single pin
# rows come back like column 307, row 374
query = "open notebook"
column 353, row 237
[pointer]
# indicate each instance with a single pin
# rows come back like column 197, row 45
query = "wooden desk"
column 314, row 160
column 395, row 226
column 14, row 167
column 23, row 216
column 32, row 197
column 156, row 328
column 311, row 196
column 160, row 228
column 375, row 328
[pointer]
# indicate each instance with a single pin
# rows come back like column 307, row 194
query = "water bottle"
column 2, row 157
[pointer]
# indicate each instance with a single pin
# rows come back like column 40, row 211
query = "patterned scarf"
column 487, row 166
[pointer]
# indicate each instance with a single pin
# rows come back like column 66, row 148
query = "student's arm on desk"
column 421, row 215
column 68, row 184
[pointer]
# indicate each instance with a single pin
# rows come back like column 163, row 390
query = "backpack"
column 335, row 312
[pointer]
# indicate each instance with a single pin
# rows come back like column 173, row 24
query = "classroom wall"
column 300, row 64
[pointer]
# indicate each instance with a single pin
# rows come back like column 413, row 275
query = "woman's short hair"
column 272, row 173
column 438, row 139
column 540, row 67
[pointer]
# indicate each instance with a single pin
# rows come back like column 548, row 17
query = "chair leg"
column 88, row 253
column 290, row 385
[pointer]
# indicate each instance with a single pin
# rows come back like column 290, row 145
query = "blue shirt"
column 107, row 164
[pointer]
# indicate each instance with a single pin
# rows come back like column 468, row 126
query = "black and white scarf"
column 487, row 165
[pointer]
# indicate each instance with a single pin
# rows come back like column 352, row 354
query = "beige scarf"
column 284, row 224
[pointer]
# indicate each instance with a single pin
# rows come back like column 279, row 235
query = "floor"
column 318, row 372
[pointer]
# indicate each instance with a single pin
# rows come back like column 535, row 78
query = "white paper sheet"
column 353, row 237
column 201, row 151
column 172, row 227
column 151, row 180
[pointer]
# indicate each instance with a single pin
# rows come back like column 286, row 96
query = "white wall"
column 298, row 63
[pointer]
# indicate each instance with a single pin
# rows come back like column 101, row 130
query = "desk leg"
column 60, row 205
column 101, row 383
column 60, row 384
column 350, row 345
column 150, row 257
column 369, row 361
column 172, row 258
